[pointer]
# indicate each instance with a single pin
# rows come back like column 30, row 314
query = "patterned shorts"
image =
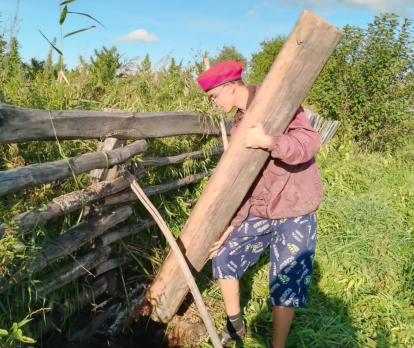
column 292, row 251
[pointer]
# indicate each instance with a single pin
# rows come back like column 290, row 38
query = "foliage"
column 104, row 67
column 228, row 53
column 262, row 61
column 368, row 84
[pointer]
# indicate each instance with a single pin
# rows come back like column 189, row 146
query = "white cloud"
column 400, row 7
column 251, row 13
column 139, row 35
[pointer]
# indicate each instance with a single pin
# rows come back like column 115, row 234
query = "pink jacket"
column 289, row 184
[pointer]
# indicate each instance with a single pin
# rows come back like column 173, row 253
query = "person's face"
column 220, row 97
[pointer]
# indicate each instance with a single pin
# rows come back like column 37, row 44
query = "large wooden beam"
column 21, row 124
column 297, row 66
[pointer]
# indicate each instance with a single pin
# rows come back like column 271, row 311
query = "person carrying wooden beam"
column 279, row 209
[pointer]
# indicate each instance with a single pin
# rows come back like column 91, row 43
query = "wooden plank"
column 15, row 180
column 297, row 66
column 21, row 124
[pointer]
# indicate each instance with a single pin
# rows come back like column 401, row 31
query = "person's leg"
column 291, row 258
column 241, row 250
column 230, row 292
column 282, row 318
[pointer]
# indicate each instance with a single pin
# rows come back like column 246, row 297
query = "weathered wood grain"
column 15, row 180
column 297, row 66
column 21, row 124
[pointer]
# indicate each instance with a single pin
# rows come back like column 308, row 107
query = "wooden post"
column 108, row 144
column 296, row 68
column 222, row 125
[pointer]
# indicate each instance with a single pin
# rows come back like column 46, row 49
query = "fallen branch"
column 15, row 180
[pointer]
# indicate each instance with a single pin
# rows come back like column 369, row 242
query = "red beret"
column 220, row 73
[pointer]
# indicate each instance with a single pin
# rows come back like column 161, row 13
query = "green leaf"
column 67, row 2
column 3, row 332
column 84, row 14
column 79, row 31
column 51, row 44
column 26, row 339
column 24, row 322
column 63, row 15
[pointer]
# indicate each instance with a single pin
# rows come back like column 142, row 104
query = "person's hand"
column 217, row 245
column 256, row 137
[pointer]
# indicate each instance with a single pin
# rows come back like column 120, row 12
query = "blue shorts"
column 292, row 251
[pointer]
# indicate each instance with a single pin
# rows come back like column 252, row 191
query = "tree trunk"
column 297, row 66
column 19, row 124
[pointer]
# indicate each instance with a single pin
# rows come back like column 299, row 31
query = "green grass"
column 362, row 291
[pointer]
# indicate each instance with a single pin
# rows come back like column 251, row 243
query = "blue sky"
column 175, row 28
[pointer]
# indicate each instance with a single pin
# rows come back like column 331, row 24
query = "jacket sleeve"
column 298, row 144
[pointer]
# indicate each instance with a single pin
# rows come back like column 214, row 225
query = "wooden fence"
column 112, row 128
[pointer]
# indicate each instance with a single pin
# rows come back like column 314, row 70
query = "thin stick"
column 181, row 260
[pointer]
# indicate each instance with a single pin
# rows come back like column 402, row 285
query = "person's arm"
column 299, row 144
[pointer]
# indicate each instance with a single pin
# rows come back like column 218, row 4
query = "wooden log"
column 152, row 190
column 64, row 204
column 107, row 265
column 163, row 161
column 15, row 180
column 298, row 64
column 20, row 124
column 113, row 236
column 64, row 244
column 74, row 270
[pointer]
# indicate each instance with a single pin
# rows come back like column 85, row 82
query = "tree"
column 228, row 53
column 146, row 64
column 105, row 66
column 368, row 84
column 262, row 61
